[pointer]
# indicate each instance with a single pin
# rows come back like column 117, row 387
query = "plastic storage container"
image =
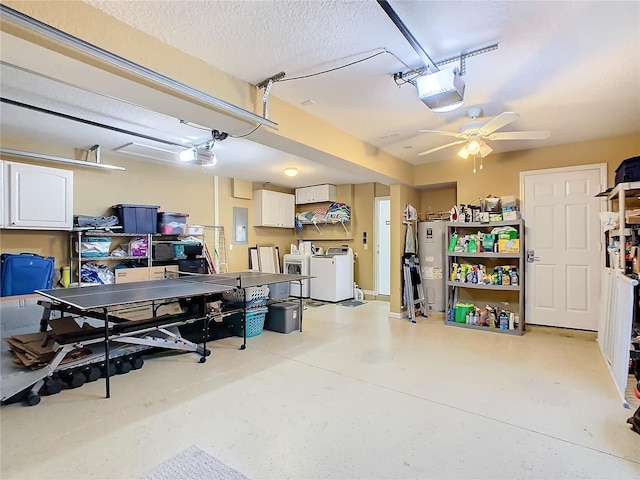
column 279, row 291
column 171, row 223
column 283, row 317
column 255, row 322
column 137, row 218
column 628, row 170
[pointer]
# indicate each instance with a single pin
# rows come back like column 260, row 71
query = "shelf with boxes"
column 485, row 285
column 90, row 246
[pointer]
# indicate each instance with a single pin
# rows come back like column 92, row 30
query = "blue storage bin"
column 255, row 322
column 137, row 218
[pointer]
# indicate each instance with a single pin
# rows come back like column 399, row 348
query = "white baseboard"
column 397, row 315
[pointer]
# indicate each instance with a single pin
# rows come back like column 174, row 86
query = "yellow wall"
column 400, row 196
column 437, row 202
column 501, row 174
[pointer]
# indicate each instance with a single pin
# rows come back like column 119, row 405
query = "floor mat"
column 351, row 303
column 192, row 464
column 314, row 303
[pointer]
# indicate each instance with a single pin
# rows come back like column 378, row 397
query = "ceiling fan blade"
column 530, row 135
column 426, row 152
column 440, row 132
column 498, row 122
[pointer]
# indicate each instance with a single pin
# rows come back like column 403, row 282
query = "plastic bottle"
column 515, row 280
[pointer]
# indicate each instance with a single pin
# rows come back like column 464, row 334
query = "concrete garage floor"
column 356, row 395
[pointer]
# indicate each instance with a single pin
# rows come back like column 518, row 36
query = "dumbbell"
column 123, row 366
column 103, row 370
column 92, row 372
column 136, row 362
column 73, row 378
column 52, row 385
column 33, row 399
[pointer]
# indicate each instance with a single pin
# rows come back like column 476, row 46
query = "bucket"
column 461, row 311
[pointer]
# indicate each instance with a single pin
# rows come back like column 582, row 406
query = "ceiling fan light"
column 485, row 150
column 464, row 152
column 291, row 171
column 474, row 146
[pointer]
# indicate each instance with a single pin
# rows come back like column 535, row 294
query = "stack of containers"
column 255, row 301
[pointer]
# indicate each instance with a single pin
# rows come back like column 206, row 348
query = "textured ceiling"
column 569, row 67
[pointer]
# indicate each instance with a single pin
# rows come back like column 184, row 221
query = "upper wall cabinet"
column 273, row 209
column 316, row 194
column 36, row 197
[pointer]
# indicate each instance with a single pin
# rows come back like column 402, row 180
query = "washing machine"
column 297, row 264
column 333, row 275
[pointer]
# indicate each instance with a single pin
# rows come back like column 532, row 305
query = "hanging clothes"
column 410, row 240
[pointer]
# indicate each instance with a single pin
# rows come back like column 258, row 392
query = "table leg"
column 301, row 303
column 106, row 353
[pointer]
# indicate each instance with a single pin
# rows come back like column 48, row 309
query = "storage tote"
column 628, row 170
column 137, row 218
column 171, row 223
column 254, row 320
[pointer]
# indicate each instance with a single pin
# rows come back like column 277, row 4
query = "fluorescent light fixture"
column 50, row 158
column 441, row 91
column 291, row 171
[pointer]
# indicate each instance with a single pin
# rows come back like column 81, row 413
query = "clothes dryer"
column 297, row 264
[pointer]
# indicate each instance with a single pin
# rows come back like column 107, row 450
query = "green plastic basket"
column 255, row 322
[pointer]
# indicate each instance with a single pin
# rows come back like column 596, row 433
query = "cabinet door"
column 286, row 210
column 37, row 197
column 302, row 195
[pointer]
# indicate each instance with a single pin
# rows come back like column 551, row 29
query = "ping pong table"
column 98, row 301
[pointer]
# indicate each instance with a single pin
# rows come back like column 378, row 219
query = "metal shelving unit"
column 473, row 290
column 77, row 260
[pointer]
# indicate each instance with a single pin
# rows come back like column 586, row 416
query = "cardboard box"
column 141, row 274
column 127, row 275
column 509, row 246
column 509, row 216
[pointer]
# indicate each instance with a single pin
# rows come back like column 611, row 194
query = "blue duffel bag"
column 21, row 274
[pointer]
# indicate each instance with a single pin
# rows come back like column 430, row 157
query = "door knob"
column 531, row 257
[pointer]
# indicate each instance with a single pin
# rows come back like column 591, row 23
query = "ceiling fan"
column 473, row 134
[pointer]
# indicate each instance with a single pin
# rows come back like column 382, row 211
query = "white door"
column 560, row 210
column 383, row 245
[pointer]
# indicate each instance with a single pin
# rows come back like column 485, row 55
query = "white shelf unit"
column 481, row 294
column 625, row 195
column 77, row 260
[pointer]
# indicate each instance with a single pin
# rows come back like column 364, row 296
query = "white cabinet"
column 273, row 209
column 316, row 194
column 36, row 197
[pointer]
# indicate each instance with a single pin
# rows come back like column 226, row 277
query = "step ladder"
column 413, row 293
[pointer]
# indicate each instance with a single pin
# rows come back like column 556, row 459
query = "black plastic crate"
column 137, row 218
column 628, row 170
